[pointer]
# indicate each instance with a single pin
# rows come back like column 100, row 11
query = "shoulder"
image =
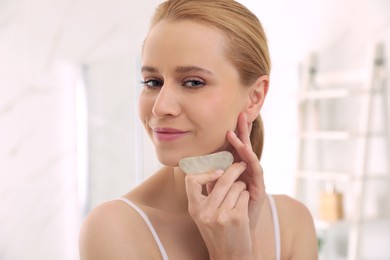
column 297, row 227
column 293, row 215
column 114, row 230
column 292, row 207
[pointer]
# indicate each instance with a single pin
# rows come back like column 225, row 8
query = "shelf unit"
column 319, row 87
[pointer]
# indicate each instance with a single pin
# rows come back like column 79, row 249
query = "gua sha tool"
column 205, row 163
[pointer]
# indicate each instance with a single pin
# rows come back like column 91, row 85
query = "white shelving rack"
column 319, row 87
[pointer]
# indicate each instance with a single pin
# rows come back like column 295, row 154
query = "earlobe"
column 257, row 94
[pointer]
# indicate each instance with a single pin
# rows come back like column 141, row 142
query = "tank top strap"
column 275, row 218
column 149, row 224
column 162, row 249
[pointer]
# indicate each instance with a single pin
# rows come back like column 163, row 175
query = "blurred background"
column 70, row 136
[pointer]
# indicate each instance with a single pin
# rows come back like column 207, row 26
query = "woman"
column 205, row 68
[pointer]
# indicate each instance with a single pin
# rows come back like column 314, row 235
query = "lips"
column 167, row 134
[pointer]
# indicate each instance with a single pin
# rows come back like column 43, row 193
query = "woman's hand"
column 222, row 215
column 253, row 175
column 227, row 216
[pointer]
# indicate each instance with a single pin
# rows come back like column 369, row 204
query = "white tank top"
column 162, row 249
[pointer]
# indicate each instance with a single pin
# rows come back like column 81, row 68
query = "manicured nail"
column 219, row 172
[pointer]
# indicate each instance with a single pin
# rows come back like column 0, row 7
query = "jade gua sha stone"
column 205, row 163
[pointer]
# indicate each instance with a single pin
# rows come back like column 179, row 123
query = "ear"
column 257, row 93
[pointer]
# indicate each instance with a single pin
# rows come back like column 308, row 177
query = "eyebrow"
column 186, row 69
column 149, row 69
column 179, row 69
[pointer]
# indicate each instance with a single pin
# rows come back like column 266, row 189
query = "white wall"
column 113, row 127
column 341, row 32
column 39, row 212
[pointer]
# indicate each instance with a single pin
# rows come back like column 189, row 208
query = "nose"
column 167, row 102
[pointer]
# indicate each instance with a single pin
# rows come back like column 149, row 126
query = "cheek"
column 218, row 116
column 224, row 111
column 144, row 104
column 214, row 134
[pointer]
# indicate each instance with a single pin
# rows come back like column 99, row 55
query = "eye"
column 152, row 83
column 194, row 83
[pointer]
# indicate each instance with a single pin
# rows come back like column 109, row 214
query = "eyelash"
column 158, row 83
column 146, row 83
column 198, row 83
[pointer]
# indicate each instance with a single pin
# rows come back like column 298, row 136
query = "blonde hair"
column 247, row 46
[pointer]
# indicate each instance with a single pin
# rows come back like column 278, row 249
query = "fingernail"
column 219, row 172
column 243, row 163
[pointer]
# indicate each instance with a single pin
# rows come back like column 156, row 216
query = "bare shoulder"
column 297, row 228
column 114, row 230
column 291, row 207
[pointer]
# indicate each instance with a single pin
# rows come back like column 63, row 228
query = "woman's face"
column 192, row 93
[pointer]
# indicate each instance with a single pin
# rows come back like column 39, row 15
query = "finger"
column 243, row 132
column 244, row 151
column 194, row 183
column 254, row 174
column 224, row 183
column 243, row 201
column 233, row 195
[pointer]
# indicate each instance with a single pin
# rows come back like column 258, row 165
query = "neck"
column 180, row 188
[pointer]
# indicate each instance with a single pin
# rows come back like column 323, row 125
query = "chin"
column 169, row 163
column 168, row 160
